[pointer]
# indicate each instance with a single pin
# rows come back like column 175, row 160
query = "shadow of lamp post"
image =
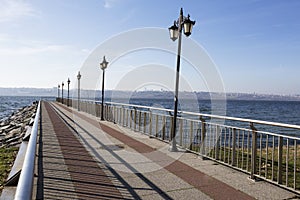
column 175, row 32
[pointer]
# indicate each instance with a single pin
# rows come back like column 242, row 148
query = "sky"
column 254, row 45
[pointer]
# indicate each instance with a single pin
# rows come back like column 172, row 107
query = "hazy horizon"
column 54, row 91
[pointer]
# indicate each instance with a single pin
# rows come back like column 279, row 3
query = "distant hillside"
column 52, row 92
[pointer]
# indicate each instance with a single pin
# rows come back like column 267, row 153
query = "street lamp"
column 175, row 32
column 78, row 102
column 68, row 92
column 58, row 91
column 103, row 66
column 62, row 92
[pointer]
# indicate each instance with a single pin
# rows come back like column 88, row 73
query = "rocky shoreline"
column 13, row 129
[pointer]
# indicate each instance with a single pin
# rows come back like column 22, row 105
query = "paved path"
column 81, row 158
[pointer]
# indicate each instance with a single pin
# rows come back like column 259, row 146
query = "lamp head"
column 104, row 64
column 174, row 31
column 188, row 26
column 78, row 76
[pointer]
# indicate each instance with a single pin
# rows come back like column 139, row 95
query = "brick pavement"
column 206, row 184
column 83, row 158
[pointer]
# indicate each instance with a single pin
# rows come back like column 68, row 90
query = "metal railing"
column 252, row 146
column 25, row 184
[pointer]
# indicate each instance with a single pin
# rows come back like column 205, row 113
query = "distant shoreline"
column 52, row 93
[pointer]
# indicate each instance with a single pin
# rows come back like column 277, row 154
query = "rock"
column 3, row 123
column 31, row 122
column 27, row 120
column 14, row 139
column 14, row 144
column 15, row 124
column 13, row 129
column 1, row 137
column 13, row 133
column 5, row 127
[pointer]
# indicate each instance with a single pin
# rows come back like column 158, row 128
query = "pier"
column 127, row 156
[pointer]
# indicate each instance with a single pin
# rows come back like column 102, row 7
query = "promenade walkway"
column 81, row 157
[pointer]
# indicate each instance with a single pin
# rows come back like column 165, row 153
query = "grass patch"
column 7, row 157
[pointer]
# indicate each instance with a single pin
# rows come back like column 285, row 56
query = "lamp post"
column 62, row 92
column 103, row 66
column 78, row 102
column 68, row 102
column 58, row 91
column 175, row 32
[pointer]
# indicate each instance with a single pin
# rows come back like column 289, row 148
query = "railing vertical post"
column 150, row 123
column 127, row 113
column 145, row 121
column 163, row 127
column 203, row 135
column 180, row 131
column 105, row 109
column 98, row 109
column 233, row 158
column 191, row 135
column 279, row 171
column 171, row 125
column 140, row 120
column 121, row 116
column 123, row 110
column 115, row 114
column 130, row 121
column 217, row 146
column 109, row 111
column 254, row 151
column 156, row 125
column 135, row 119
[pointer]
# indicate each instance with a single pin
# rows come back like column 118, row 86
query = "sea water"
column 287, row 112
column 10, row 104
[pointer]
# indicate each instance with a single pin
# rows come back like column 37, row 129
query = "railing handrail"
column 25, row 184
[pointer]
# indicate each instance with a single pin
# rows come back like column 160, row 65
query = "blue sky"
column 255, row 44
